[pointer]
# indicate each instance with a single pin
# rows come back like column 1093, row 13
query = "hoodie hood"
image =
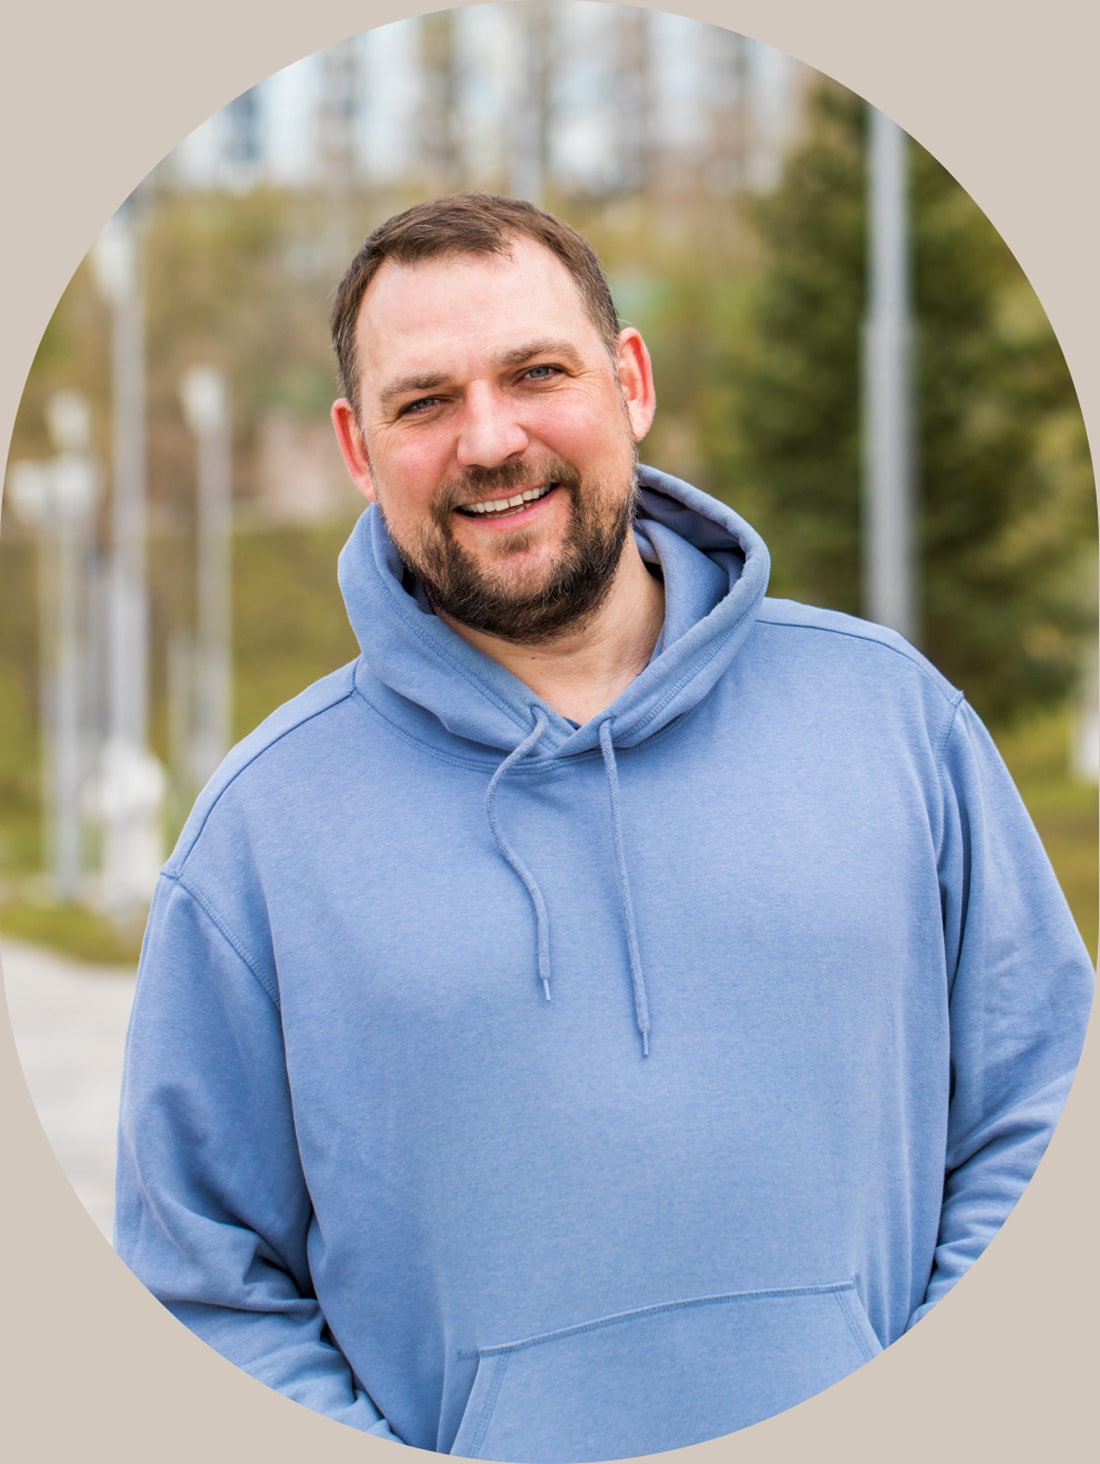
column 439, row 687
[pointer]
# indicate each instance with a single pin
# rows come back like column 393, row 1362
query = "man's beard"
column 574, row 588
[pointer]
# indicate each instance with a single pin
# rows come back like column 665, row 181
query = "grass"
column 72, row 930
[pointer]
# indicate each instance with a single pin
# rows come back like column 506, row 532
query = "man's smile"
column 503, row 507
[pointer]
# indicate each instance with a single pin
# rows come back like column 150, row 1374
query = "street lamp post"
column 28, row 492
column 889, row 570
column 75, row 482
column 131, row 788
column 527, row 134
column 204, row 398
column 57, row 497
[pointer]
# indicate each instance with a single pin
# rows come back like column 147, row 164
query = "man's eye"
column 542, row 373
column 422, row 404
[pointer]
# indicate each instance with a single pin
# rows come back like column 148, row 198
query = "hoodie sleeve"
column 212, row 1210
column 1021, row 988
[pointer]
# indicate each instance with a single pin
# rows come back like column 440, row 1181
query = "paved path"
column 69, row 1022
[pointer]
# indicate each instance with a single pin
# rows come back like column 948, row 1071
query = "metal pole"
column 204, row 401
column 67, row 713
column 129, row 630
column 129, row 775
column 74, row 489
column 74, row 483
column 181, row 713
column 527, row 136
column 889, row 577
column 30, row 494
column 96, row 610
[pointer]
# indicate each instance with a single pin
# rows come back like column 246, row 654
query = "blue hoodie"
column 542, row 1093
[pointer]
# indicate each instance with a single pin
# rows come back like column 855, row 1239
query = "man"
column 617, row 1005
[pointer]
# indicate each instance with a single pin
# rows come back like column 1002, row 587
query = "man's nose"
column 490, row 431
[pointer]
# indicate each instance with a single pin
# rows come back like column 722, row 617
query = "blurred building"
column 608, row 97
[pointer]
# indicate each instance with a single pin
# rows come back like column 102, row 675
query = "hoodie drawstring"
column 541, row 920
column 637, row 976
column 542, row 923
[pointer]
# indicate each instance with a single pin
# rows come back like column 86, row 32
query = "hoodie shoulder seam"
column 942, row 773
column 219, row 925
column 179, row 860
column 905, row 652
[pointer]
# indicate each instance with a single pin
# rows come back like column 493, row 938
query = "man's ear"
column 636, row 381
column 346, row 426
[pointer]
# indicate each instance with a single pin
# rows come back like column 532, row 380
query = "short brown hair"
column 464, row 223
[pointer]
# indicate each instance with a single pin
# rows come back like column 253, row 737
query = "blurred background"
column 845, row 351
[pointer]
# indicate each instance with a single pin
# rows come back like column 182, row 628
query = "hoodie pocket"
column 661, row 1377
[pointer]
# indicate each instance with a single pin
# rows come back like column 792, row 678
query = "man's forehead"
column 492, row 303
column 518, row 257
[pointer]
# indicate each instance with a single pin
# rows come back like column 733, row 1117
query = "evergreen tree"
column 1006, row 506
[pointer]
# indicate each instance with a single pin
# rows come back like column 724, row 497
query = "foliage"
column 1006, row 501
column 290, row 626
column 1064, row 809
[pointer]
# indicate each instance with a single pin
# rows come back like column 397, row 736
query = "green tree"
column 1006, row 508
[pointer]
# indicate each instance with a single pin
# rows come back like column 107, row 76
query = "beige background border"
column 1005, row 94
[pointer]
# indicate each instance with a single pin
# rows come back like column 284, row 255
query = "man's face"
column 497, row 436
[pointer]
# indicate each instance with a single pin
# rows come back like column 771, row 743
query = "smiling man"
column 500, row 449
column 617, row 1005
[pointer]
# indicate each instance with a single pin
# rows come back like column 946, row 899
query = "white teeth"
column 502, row 505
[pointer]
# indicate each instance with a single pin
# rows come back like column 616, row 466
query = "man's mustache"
column 504, row 480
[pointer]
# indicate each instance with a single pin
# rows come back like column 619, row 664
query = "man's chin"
column 518, row 566
column 522, row 613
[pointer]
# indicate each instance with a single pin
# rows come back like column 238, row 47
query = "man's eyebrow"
column 405, row 384
column 546, row 346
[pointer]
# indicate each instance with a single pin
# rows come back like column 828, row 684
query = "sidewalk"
column 69, row 1022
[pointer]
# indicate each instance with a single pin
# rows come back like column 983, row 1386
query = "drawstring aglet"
column 546, row 986
column 645, row 1044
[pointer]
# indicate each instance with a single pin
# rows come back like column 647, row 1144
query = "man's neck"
column 581, row 672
